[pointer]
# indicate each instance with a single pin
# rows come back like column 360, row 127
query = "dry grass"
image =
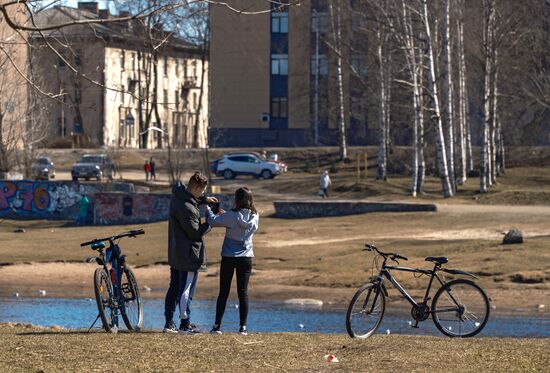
column 43, row 350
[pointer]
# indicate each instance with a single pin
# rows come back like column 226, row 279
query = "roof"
column 109, row 32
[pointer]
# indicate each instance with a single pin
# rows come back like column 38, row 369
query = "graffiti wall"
column 135, row 208
column 124, row 208
column 28, row 199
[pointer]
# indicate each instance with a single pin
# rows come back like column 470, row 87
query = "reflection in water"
column 263, row 317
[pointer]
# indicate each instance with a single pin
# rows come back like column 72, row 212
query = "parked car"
column 43, row 168
column 98, row 166
column 232, row 165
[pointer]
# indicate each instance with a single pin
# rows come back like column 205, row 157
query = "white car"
column 231, row 165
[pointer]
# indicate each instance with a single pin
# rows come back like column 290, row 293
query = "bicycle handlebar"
column 132, row 233
column 392, row 256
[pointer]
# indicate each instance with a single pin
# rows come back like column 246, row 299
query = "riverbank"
column 45, row 349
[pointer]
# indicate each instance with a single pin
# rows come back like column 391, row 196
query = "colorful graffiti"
column 122, row 208
column 34, row 199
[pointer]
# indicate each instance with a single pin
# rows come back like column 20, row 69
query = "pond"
column 263, row 317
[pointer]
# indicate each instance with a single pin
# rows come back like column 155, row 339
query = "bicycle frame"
column 113, row 256
column 385, row 273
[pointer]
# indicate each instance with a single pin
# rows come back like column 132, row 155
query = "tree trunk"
column 461, row 132
column 484, row 174
column 381, row 170
column 337, row 35
column 448, row 84
column 432, row 87
column 199, row 104
column 495, row 121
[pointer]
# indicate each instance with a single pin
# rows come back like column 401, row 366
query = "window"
column 165, row 94
column 122, row 60
column 319, row 19
column 279, row 22
column 123, row 93
column 279, row 107
column 279, row 64
column 194, row 108
column 177, row 96
column 177, row 62
column 194, row 69
column 165, row 65
column 323, row 65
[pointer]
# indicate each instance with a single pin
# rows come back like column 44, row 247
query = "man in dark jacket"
column 186, row 251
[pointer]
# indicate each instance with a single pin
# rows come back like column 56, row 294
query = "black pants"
column 243, row 267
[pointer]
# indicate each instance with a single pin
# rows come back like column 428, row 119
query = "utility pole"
column 317, row 68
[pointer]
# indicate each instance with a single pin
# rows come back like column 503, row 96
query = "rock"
column 304, row 302
column 42, row 292
column 513, row 236
column 19, row 230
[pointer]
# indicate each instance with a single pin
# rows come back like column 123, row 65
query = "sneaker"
column 170, row 327
column 242, row 330
column 216, row 330
column 187, row 328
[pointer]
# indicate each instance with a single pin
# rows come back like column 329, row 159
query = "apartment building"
column 273, row 75
column 118, row 84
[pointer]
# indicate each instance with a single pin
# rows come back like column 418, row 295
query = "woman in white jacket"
column 237, row 252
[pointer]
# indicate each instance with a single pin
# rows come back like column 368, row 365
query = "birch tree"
column 485, row 156
column 463, row 138
column 441, row 156
column 448, row 88
column 335, row 16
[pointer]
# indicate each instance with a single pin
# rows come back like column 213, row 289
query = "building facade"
column 113, row 85
column 273, row 75
column 13, row 86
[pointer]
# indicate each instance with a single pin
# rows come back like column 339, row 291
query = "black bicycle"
column 116, row 288
column 460, row 308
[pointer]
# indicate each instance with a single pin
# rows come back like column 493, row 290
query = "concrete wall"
column 313, row 209
column 29, row 199
column 134, row 208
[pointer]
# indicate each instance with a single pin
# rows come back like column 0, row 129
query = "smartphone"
column 216, row 208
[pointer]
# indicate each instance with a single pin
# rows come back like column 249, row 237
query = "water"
column 263, row 317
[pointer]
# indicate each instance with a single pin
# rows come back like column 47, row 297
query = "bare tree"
column 336, row 16
column 436, row 115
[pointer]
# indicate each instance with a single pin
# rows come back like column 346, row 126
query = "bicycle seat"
column 98, row 245
column 437, row 259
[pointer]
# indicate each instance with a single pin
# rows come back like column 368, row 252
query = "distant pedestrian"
column 324, row 184
column 153, row 169
column 83, row 207
column 147, row 169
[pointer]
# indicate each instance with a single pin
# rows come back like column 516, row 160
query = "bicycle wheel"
column 460, row 308
column 132, row 312
column 365, row 311
column 104, row 298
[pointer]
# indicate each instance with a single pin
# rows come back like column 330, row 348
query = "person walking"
column 147, row 169
column 153, row 169
column 186, row 250
column 324, row 184
column 237, row 252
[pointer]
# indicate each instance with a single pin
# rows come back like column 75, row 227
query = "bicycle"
column 460, row 308
column 116, row 289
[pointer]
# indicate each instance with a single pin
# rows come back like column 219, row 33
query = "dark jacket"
column 186, row 251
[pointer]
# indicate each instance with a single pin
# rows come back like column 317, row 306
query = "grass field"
column 27, row 349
